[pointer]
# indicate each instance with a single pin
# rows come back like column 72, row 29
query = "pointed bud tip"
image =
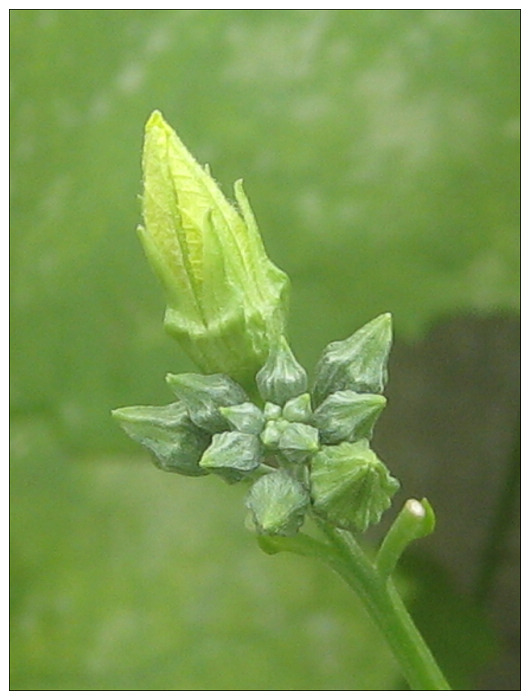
column 128, row 414
column 156, row 119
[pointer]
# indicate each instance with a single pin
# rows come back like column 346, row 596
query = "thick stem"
column 379, row 596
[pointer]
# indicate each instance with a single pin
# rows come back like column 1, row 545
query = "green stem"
column 379, row 596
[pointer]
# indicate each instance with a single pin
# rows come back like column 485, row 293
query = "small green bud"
column 347, row 416
column 204, row 395
column 298, row 441
column 232, row 455
column 282, row 377
column 277, row 503
column 226, row 301
column 350, row 486
column 245, row 417
column 298, row 410
column 357, row 363
column 272, row 411
column 175, row 443
column 270, row 436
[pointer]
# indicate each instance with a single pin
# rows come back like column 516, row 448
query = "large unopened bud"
column 226, row 301
column 358, row 363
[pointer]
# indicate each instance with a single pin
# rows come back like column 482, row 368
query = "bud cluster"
column 302, row 450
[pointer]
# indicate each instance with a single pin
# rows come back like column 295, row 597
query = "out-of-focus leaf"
column 458, row 631
column 126, row 577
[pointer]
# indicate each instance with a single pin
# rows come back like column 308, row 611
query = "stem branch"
column 378, row 594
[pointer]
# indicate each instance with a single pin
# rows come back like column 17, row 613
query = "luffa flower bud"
column 347, row 416
column 350, row 486
column 175, row 443
column 244, row 417
column 232, row 455
column 205, row 395
column 357, row 363
column 282, row 377
column 277, row 504
column 226, row 301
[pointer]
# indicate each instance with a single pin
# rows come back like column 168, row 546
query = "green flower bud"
column 175, row 443
column 226, row 301
column 282, row 377
column 347, row 416
column 232, row 455
column 204, row 395
column 357, row 363
column 277, row 503
column 298, row 441
column 350, row 486
column 272, row 411
column 298, row 410
column 244, row 417
column 270, row 436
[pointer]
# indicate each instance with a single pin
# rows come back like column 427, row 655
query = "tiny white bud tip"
column 415, row 508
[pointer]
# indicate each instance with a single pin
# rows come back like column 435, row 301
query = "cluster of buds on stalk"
column 252, row 416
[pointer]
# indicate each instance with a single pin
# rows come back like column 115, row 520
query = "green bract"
column 226, row 301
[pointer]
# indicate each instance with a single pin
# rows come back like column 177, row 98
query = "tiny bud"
column 277, row 503
column 350, row 486
column 175, row 443
column 232, row 455
column 357, row 363
column 272, row 411
column 204, row 395
column 244, row 417
column 270, row 437
column 346, row 416
column 298, row 410
column 282, row 377
column 298, row 441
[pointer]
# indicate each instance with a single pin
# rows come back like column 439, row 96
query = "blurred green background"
column 380, row 151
